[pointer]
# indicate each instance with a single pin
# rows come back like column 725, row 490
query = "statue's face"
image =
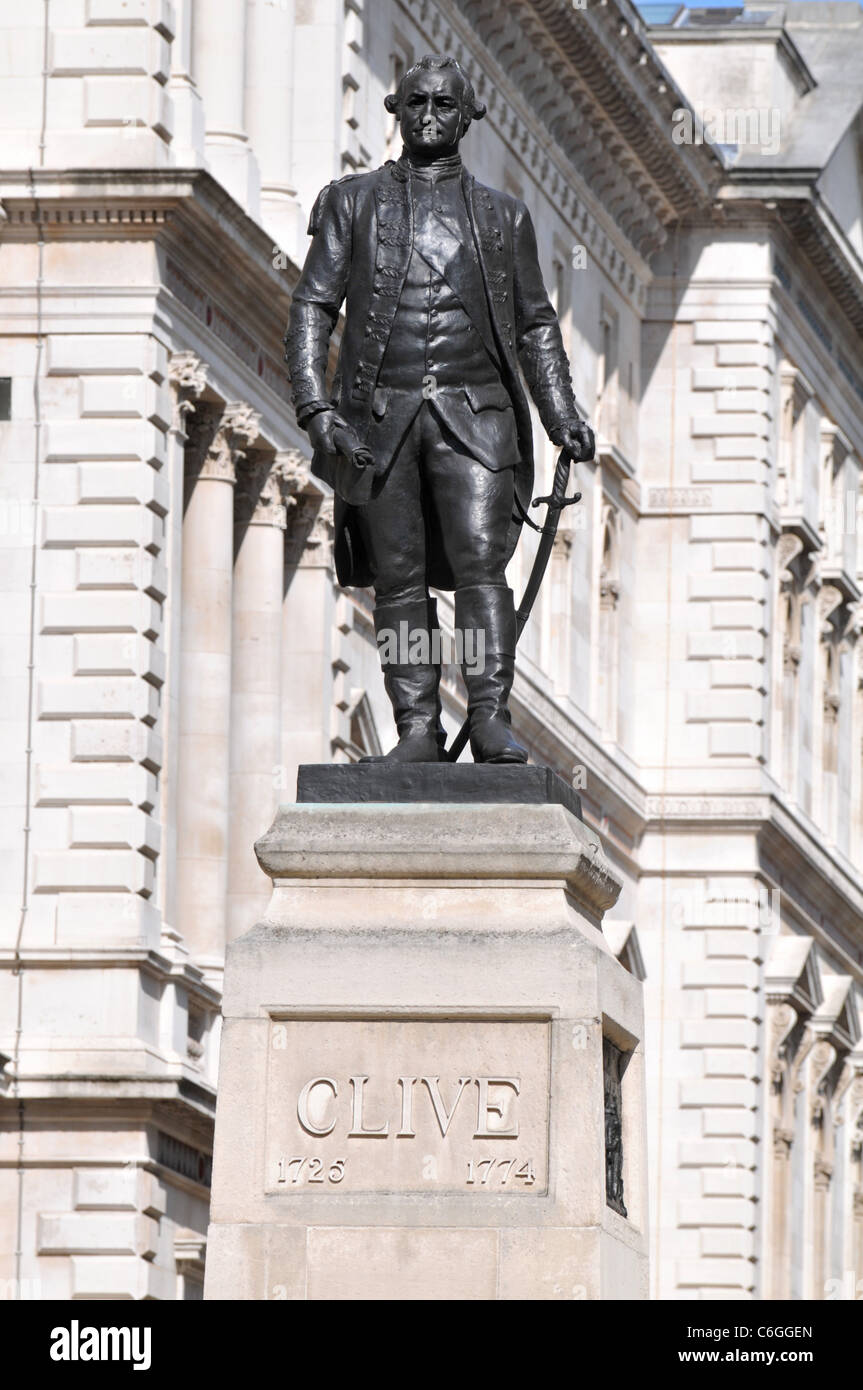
column 433, row 118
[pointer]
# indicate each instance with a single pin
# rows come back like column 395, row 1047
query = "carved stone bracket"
column 783, row 1019
column 788, row 547
column 830, row 600
column 806, row 1044
column 855, row 1114
column 823, row 1057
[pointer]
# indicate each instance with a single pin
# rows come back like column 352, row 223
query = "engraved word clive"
column 325, row 1102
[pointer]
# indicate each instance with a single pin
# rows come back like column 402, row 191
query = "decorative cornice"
column 797, row 206
column 791, row 975
column 631, row 94
column 198, row 224
column 604, row 123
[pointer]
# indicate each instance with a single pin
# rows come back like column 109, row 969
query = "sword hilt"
column 557, row 499
column 556, row 504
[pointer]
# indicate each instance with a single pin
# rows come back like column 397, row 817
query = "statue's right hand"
column 320, row 430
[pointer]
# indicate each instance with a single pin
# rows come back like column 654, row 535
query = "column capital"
column 188, row 376
column 294, row 470
column 218, row 441
column 310, row 536
column 822, row 1173
column 262, row 496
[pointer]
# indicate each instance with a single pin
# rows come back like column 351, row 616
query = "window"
column 607, row 392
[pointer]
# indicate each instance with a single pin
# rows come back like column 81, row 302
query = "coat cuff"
column 305, row 412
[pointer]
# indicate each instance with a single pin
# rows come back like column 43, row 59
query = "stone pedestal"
column 431, row 1074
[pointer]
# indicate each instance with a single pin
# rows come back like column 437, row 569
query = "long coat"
column 362, row 230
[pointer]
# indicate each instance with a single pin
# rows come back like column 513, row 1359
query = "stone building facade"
column 174, row 644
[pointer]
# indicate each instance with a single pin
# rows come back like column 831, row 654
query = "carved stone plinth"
column 431, row 1075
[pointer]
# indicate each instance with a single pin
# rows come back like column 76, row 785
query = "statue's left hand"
column 320, row 429
column 577, row 438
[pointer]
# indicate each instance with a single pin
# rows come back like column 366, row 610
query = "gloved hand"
column 576, row 437
column 320, row 430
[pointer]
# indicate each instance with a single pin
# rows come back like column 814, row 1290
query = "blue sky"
column 713, row 4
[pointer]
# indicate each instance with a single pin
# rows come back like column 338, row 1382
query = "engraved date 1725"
column 295, row 1170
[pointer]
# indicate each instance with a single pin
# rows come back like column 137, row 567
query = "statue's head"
column 435, row 103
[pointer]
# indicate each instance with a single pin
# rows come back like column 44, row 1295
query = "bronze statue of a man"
column 444, row 301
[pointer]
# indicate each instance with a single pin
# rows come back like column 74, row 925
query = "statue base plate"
column 480, row 783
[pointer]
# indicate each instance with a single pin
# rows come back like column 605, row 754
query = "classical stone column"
column 259, row 525
column 188, row 377
column 187, row 146
column 782, row 1019
column 269, row 97
column 855, row 1116
column 215, row 448
column 218, row 57
column 308, row 623
column 823, row 1057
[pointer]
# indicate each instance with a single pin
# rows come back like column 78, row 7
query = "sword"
column 555, row 504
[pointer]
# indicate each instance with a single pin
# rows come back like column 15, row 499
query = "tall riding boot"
column 436, row 647
column 412, row 687
column 490, row 609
